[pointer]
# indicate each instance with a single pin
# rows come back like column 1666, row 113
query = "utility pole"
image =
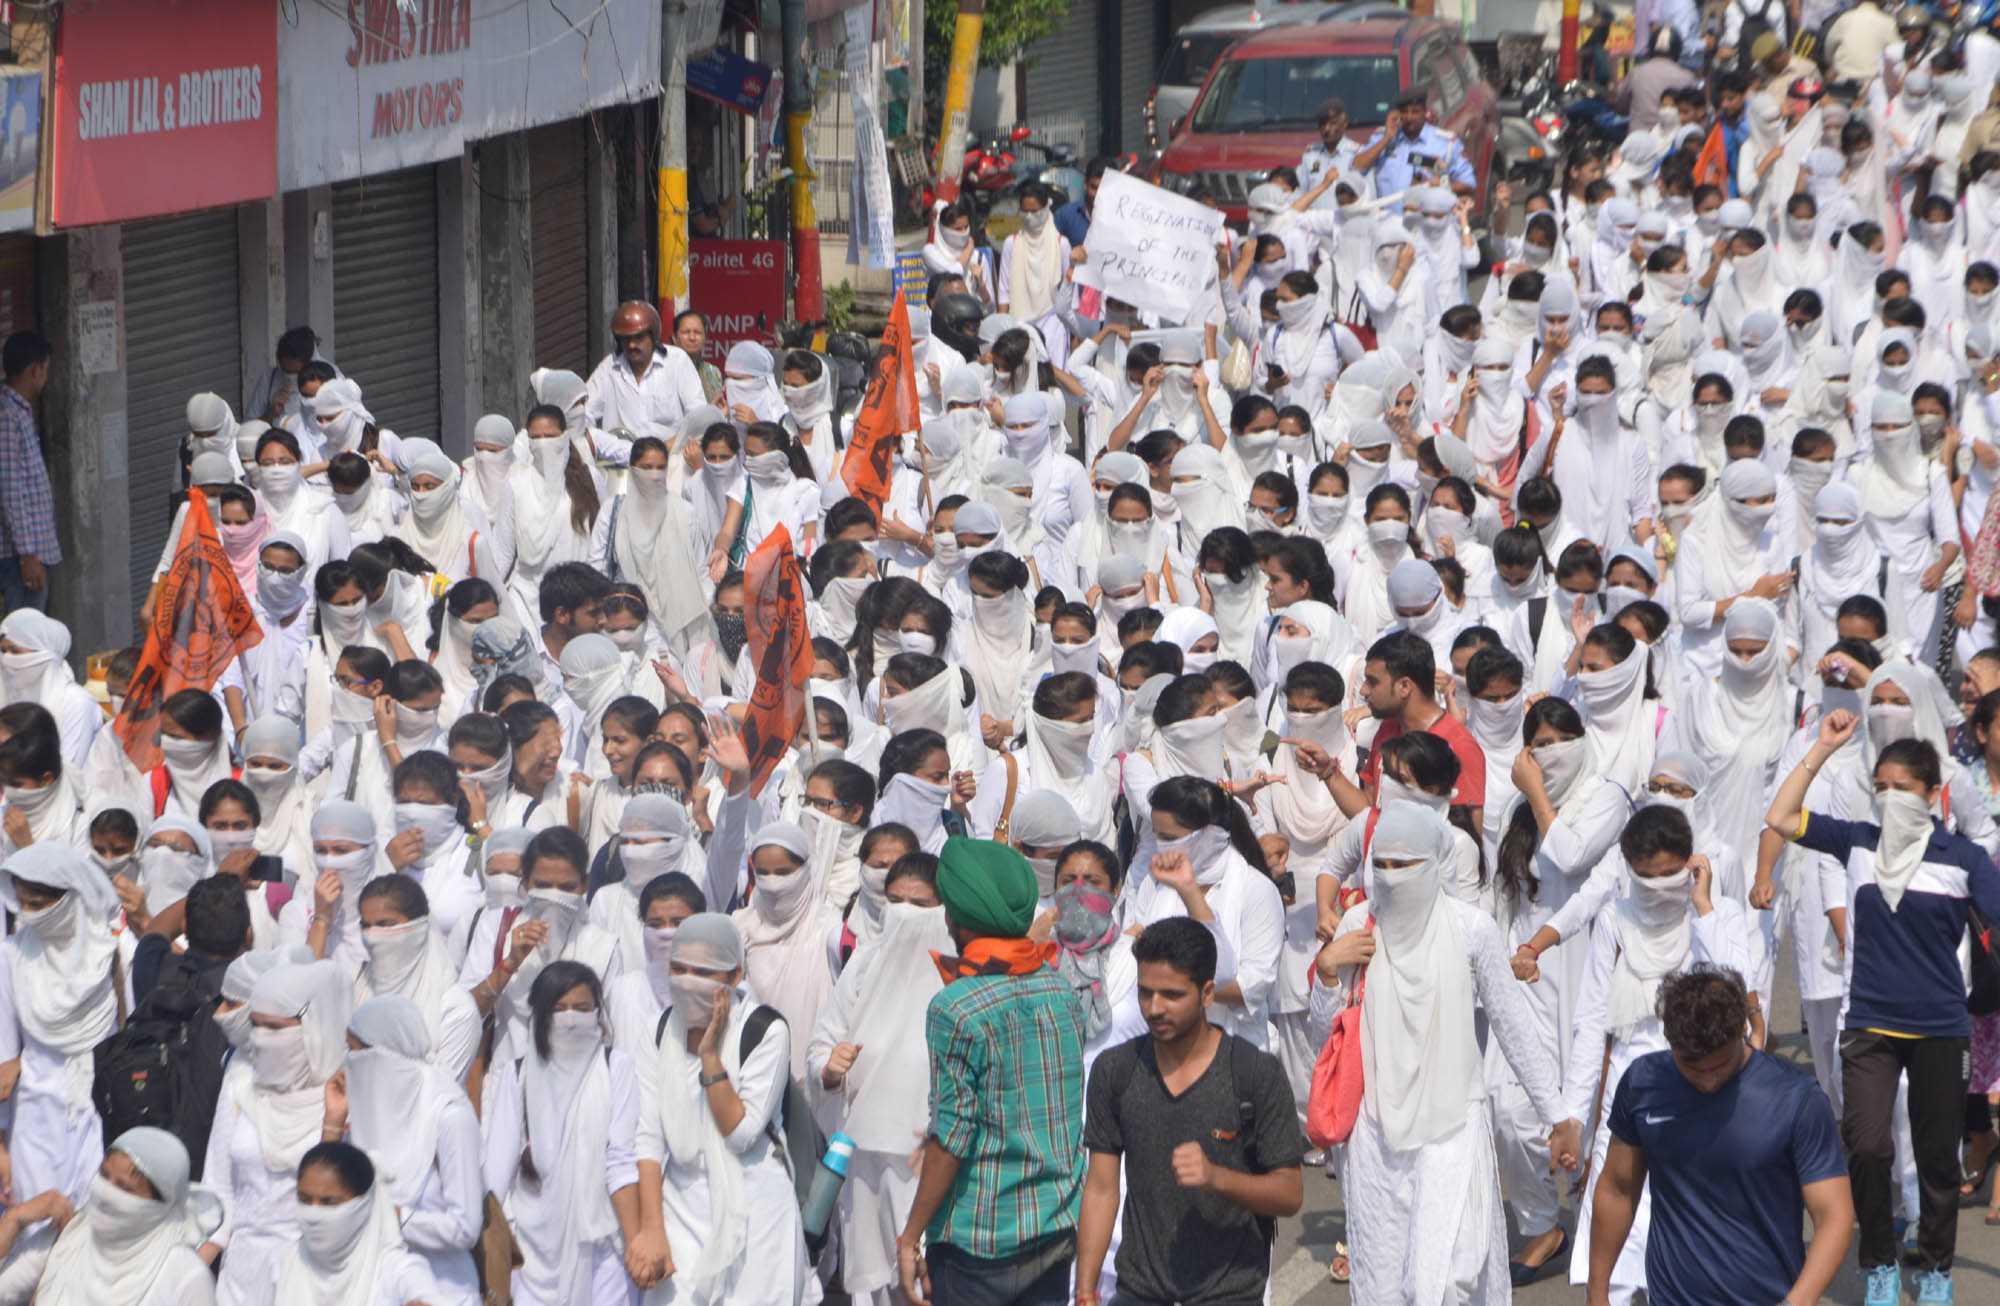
column 673, row 178
column 1566, row 43
column 808, row 303
column 958, row 96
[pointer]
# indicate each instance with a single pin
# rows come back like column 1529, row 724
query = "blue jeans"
column 15, row 594
column 1037, row 1275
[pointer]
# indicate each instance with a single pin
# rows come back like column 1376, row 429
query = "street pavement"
column 1305, row 1244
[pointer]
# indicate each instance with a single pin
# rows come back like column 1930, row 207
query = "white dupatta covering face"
column 285, row 1097
column 62, row 980
column 653, row 545
column 395, row 1096
column 284, row 803
column 1419, row 1056
column 1618, row 720
column 566, row 1119
column 894, row 979
column 342, row 1252
column 709, row 943
column 114, row 1250
column 1655, row 929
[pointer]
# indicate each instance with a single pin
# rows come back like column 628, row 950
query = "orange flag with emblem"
column 888, row 409
column 1711, row 166
column 774, row 621
column 201, row 622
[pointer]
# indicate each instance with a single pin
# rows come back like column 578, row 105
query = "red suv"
column 1259, row 107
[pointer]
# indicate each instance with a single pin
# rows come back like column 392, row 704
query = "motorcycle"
column 989, row 172
column 1589, row 118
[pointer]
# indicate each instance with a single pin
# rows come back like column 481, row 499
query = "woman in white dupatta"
column 415, row 1120
column 1738, row 721
column 44, row 801
column 350, row 1248
column 559, row 1145
column 1394, row 293
column 133, row 1243
column 454, row 535
column 785, row 928
column 655, row 838
column 34, row 668
column 1729, row 553
column 265, row 1122
column 1061, row 728
column 719, row 1202
column 1424, row 1210
column 61, row 993
column 1907, row 501
column 1620, row 718
column 1803, row 259
column 999, row 640
column 409, row 959
column 1819, row 398
column 868, row 1056
column 593, row 675
column 653, row 547
column 557, row 511
column 1844, row 560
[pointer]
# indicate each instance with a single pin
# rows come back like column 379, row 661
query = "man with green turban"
column 1002, row 1178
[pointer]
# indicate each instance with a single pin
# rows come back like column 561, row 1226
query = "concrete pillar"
column 506, row 273
column 260, row 280
column 308, row 262
column 461, row 314
column 601, row 201
column 84, row 436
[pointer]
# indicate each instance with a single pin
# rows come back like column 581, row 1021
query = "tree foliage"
column 1011, row 26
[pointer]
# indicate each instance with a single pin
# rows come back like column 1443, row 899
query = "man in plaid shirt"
column 28, row 545
column 994, row 1220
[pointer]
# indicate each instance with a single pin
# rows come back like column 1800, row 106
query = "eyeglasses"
column 352, row 684
column 825, row 806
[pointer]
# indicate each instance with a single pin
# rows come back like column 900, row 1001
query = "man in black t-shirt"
column 1208, row 1135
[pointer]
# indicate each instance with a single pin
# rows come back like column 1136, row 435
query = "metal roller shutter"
column 1138, row 60
column 1063, row 77
column 385, row 295
column 559, row 246
column 182, row 336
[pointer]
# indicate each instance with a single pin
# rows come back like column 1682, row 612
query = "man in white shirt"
column 643, row 387
column 1857, row 40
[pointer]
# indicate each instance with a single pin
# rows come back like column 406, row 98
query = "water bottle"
column 826, row 1184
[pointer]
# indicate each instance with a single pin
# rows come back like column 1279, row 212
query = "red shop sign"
column 164, row 106
column 739, row 286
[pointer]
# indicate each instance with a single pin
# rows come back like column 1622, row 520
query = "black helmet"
column 955, row 320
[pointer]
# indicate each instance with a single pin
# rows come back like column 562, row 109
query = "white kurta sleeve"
column 1588, row 902
column 1259, row 941
column 1587, row 1031
column 1509, row 1017
column 216, row 1171
column 453, row 1223
column 621, row 1157
column 761, row 1084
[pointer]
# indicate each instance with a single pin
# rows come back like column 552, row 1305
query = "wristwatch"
column 719, row 1077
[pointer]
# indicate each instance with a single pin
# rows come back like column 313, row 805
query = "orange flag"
column 774, row 619
column 888, row 409
column 1711, row 166
column 201, row 622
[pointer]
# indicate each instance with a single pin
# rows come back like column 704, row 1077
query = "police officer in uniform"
column 1410, row 151
column 1333, row 153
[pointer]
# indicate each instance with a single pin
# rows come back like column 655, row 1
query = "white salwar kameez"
column 1425, row 1226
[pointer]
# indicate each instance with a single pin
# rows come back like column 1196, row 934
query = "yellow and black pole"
column 958, row 96
column 673, row 178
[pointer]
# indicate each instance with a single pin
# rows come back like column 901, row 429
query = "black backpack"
column 164, row 1068
column 1983, row 994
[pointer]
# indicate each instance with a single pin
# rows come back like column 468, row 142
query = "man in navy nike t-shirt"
column 1733, row 1143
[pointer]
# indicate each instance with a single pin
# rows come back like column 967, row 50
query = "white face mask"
column 550, row 454
column 186, row 754
column 1889, row 722
column 327, row 1232
column 694, row 997
column 278, row 1060
column 573, row 1035
column 503, row 891
column 437, row 821
column 278, row 481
